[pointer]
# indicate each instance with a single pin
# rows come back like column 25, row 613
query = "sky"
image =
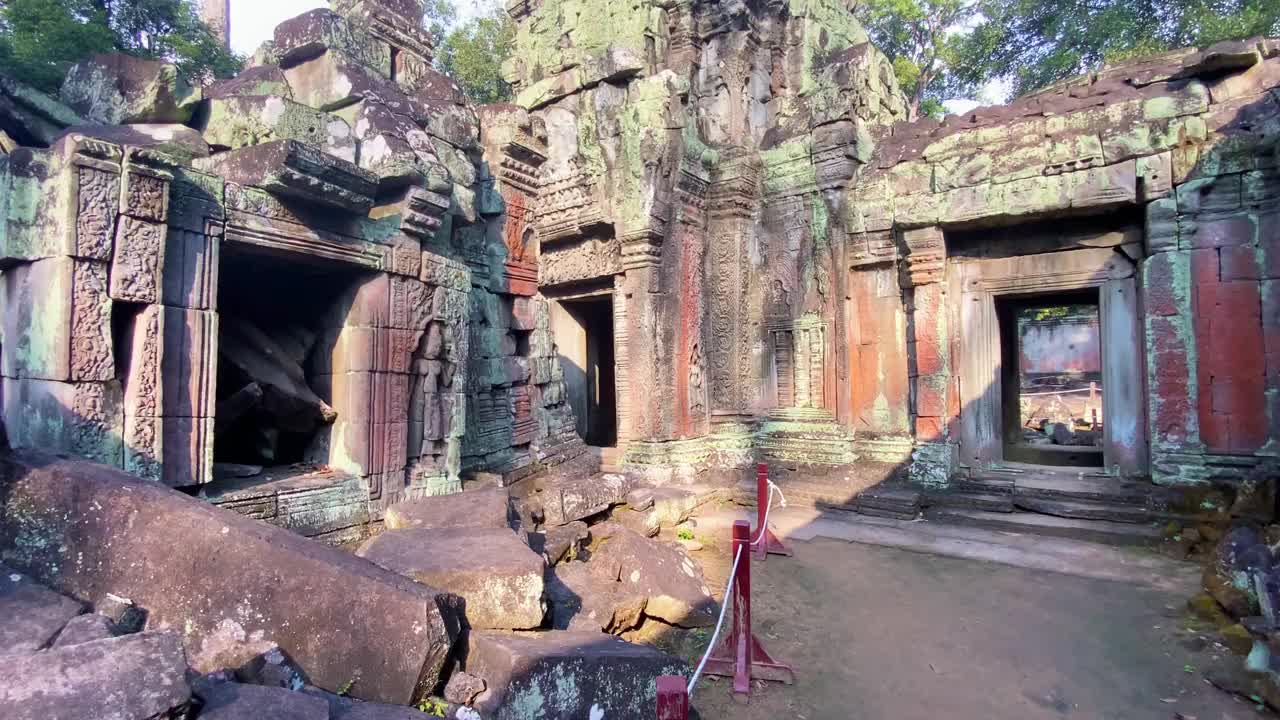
column 254, row 21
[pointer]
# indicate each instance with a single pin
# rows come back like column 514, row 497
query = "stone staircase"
column 1033, row 501
column 1053, row 503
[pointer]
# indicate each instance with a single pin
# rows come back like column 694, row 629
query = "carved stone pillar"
column 929, row 355
column 734, row 198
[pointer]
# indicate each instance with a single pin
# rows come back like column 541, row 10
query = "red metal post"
column 673, row 698
column 770, row 544
column 741, row 656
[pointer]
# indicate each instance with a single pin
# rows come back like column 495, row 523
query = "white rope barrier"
column 737, row 557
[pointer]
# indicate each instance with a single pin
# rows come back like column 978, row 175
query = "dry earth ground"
column 879, row 633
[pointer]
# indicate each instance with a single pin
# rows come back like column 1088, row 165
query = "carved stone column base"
column 933, row 464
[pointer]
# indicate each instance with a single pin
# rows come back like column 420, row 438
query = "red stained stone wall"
column 879, row 383
column 1227, row 312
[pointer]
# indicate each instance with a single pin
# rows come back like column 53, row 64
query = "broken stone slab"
column 497, row 575
column 85, row 628
column 124, row 615
column 286, row 395
column 33, row 614
column 124, row 678
column 335, row 80
column 30, row 117
column 565, row 674
column 562, row 542
column 116, row 89
column 293, row 169
column 237, row 122
column 566, row 500
column 646, row 522
column 337, row 616
column 675, row 587
column 259, row 81
column 177, row 141
column 312, row 34
column 463, row 687
column 469, row 509
column 234, row 701
column 583, row 599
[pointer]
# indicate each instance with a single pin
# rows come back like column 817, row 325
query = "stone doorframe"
column 615, row 291
column 978, row 284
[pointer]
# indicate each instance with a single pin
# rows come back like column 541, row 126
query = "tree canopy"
column 1034, row 43
column 947, row 49
column 41, row 39
column 472, row 54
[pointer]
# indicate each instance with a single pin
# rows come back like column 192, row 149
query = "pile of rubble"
column 1240, row 595
column 477, row 604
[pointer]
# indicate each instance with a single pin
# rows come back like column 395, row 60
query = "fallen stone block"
column 566, row 500
column 127, row 617
column 193, row 566
column 32, row 614
column 233, row 701
column 126, row 678
column 564, row 542
column 30, row 117
column 239, row 122
column 474, row 508
column 562, row 674
column 496, row 574
column 117, row 89
column 463, row 687
column 583, row 599
column 259, row 81
column 286, row 395
column 85, row 628
column 293, row 169
column 177, row 141
column 675, row 587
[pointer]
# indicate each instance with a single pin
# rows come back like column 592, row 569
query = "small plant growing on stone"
column 433, row 706
column 684, row 534
column 345, row 689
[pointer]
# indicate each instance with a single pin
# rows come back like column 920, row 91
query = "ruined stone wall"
column 339, row 164
column 694, row 152
column 1182, row 148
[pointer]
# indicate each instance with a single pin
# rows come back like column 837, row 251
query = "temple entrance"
column 584, row 334
column 1050, row 352
column 277, row 321
column 1051, row 376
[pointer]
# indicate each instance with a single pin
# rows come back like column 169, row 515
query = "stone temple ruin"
column 704, row 235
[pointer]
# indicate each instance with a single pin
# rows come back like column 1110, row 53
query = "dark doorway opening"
column 276, row 321
column 1051, row 384
column 583, row 330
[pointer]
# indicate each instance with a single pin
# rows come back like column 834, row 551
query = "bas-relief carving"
column 586, row 260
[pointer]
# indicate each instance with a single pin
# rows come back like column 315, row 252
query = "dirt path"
column 879, row 633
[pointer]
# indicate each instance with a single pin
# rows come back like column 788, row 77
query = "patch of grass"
column 684, row 534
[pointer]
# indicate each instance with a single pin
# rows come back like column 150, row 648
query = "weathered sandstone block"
column 32, row 615
column 124, row 678
column 525, row 675
column 194, row 566
column 120, row 89
column 497, row 575
column 488, row 508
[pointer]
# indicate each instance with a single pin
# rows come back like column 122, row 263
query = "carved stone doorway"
column 1051, row 378
column 583, row 328
column 986, row 287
